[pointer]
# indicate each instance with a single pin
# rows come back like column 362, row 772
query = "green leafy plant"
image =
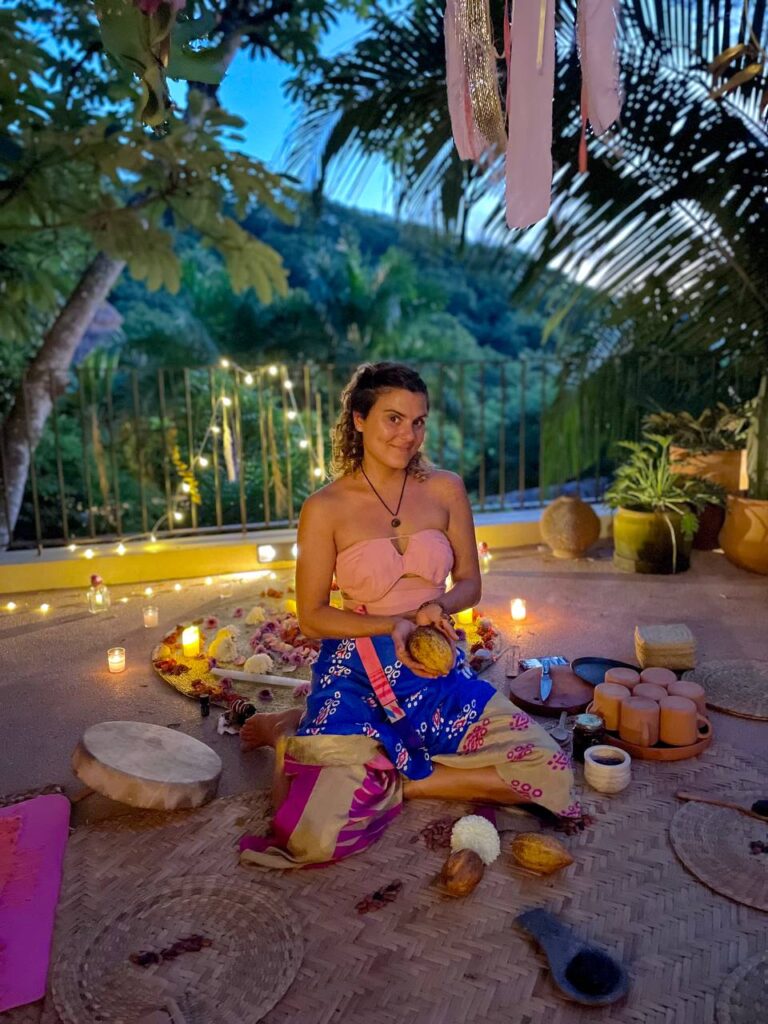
column 757, row 443
column 716, row 430
column 646, row 482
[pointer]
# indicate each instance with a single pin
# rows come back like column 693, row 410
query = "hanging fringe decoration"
column 228, row 445
column 477, row 116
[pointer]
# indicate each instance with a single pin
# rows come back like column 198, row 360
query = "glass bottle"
column 98, row 595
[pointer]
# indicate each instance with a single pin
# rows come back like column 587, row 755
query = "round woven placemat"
column 736, row 687
column 744, row 993
column 256, row 949
column 714, row 844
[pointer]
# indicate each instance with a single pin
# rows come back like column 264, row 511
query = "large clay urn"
column 744, row 537
column 570, row 527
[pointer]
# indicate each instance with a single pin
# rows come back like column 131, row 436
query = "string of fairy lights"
column 180, row 499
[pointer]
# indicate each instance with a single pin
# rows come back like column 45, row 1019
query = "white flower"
column 256, row 615
column 222, row 647
column 473, row 832
column 259, row 664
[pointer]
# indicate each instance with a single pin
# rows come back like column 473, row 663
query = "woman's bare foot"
column 262, row 730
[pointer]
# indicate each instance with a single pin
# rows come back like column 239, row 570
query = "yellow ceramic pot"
column 724, row 468
column 570, row 527
column 642, row 542
column 744, row 536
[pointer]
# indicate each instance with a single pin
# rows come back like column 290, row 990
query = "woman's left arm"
column 467, row 585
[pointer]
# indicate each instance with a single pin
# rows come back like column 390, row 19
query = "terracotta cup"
column 623, row 676
column 680, row 724
column 659, row 676
column 651, row 690
column 687, row 688
column 639, row 723
column 607, row 703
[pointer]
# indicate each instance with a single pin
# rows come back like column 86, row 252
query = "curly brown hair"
column 368, row 382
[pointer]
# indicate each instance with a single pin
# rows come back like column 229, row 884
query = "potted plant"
column 657, row 507
column 710, row 446
column 744, row 536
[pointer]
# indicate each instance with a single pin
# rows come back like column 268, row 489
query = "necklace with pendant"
column 395, row 522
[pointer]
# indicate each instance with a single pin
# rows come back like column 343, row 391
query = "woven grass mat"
column 253, row 949
column 428, row 959
column 735, row 687
column 743, row 997
column 714, row 843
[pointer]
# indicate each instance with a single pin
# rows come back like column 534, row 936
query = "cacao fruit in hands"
column 461, row 872
column 432, row 649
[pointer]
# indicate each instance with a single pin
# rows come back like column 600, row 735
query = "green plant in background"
column 719, row 429
column 646, row 482
column 757, row 443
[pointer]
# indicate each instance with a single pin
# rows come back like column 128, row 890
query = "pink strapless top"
column 374, row 573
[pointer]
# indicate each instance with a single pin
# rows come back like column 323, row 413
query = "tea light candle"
column 190, row 641
column 517, row 609
column 150, row 616
column 464, row 618
column 116, row 659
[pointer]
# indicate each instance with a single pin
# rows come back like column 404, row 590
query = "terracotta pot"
column 744, row 537
column 680, row 723
column 639, row 722
column 722, row 468
column 642, row 542
column 570, row 527
column 711, row 519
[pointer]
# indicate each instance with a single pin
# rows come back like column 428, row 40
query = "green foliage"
column 646, row 482
column 715, row 430
column 757, row 443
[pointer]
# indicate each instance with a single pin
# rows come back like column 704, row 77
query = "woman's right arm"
column 314, row 576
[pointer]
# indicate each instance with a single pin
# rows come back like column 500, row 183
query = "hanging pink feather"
column 597, row 31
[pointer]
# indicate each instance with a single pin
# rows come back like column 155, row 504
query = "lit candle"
column 116, row 659
column 517, row 609
column 190, row 641
column 464, row 618
column 150, row 616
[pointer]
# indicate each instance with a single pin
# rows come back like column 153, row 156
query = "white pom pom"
column 256, row 615
column 473, row 832
column 259, row 664
column 222, row 647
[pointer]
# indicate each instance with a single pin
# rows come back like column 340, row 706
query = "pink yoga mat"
column 33, row 836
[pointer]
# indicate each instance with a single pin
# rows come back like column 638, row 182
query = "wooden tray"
column 660, row 753
column 569, row 693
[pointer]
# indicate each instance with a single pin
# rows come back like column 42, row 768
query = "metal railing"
column 127, row 453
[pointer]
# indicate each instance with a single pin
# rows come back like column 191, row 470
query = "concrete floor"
column 54, row 682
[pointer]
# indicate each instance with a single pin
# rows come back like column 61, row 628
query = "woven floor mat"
column 735, row 687
column 429, row 959
column 714, row 844
column 744, row 994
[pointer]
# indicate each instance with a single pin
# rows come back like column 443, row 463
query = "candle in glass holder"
column 150, row 613
column 190, row 641
column 464, row 618
column 517, row 609
column 225, row 589
column 116, row 659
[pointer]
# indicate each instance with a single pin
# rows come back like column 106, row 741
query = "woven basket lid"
column 736, row 687
column 744, row 993
column 255, row 951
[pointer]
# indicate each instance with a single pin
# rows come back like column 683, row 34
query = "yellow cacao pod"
column 431, row 649
column 541, row 854
column 461, row 872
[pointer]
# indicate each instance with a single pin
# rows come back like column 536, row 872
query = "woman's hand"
column 433, row 614
column 400, row 634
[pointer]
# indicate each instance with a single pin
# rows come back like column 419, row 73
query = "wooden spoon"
column 759, row 809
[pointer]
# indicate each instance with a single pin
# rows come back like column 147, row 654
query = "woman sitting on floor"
column 378, row 727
